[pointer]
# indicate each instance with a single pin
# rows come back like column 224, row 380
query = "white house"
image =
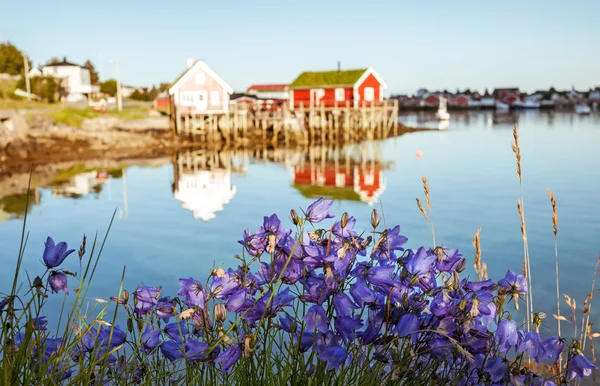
column 35, row 72
column 205, row 192
column 76, row 79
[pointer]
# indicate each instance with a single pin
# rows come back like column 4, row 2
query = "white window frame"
column 369, row 178
column 215, row 99
column 340, row 94
column 340, row 180
column 200, row 78
column 369, row 93
column 188, row 98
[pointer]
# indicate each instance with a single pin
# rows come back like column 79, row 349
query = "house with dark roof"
column 200, row 90
column 336, row 88
column 277, row 91
column 76, row 79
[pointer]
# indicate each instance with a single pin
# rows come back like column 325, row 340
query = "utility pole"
column 27, row 83
column 118, row 75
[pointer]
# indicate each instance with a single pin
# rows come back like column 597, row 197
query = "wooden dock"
column 341, row 123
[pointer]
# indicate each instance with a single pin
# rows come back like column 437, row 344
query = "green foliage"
column 47, row 88
column 327, row 78
column 17, row 204
column 109, row 87
column 332, row 193
column 94, row 76
column 164, row 87
column 72, row 117
column 145, row 95
column 11, row 59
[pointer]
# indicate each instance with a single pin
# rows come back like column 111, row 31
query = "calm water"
column 185, row 217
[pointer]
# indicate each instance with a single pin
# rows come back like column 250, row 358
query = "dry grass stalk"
column 477, row 246
column 421, row 209
column 521, row 208
column 555, row 231
column 517, row 150
column 426, row 189
column 428, row 202
column 588, row 303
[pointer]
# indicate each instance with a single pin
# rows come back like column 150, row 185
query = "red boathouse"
column 336, row 88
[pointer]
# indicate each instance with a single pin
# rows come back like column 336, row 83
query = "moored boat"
column 442, row 113
column 582, row 109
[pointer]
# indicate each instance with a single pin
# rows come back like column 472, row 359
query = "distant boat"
column 582, row 109
column 442, row 113
column 502, row 106
column 526, row 105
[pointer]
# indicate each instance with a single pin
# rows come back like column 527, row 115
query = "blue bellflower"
column 58, row 282
column 319, row 211
column 316, row 318
column 55, row 254
column 229, row 357
column 579, row 367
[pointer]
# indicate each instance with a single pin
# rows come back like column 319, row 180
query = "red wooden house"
column 200, row 90
column 341, row 87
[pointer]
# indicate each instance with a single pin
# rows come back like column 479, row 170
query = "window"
column 370, row 178
column 192, row 98
column 340, row 94
column 214, row 98
column 340, row 180
column 369, row 94
column 200, row 78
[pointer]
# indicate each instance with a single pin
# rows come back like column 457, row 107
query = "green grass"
column 330, row 192
column 74, row 117
column 327, row 78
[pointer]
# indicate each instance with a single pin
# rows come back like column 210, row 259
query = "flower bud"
column 374, row 218
column 455, row 280
column 130, row 325
column 220, row 312
column 461, row 265
column 249, row 343
column 140, row 324
column 344, row 220
column 294, row 216
column 125, row 296
column 218, row 272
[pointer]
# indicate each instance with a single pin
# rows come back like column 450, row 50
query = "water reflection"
column 352, row 174
column 14, row 206
column 82, row 184
column 203, row 181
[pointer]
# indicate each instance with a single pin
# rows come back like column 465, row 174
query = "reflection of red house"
column 341, row 87
column 355, row 184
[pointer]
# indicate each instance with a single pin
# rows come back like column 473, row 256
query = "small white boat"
column 582, row 109
column 442, row 113
column 502, row 106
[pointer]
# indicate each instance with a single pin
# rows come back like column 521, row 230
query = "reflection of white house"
column 76, row 79
column 369, row 184
column 80, row 185
column 205, row 192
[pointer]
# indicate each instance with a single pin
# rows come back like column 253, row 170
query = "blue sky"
column 434, row 44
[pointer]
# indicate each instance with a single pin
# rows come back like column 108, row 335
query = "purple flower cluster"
column 343, row 297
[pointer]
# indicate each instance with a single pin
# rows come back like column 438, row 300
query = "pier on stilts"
column 320, row 124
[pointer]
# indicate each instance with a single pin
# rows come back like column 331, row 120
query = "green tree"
column 93, row 73
column 137, row 95
column 164, row 87
column 11, row 59
column 109, row 87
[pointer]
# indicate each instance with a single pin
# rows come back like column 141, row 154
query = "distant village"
column 500, row 98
